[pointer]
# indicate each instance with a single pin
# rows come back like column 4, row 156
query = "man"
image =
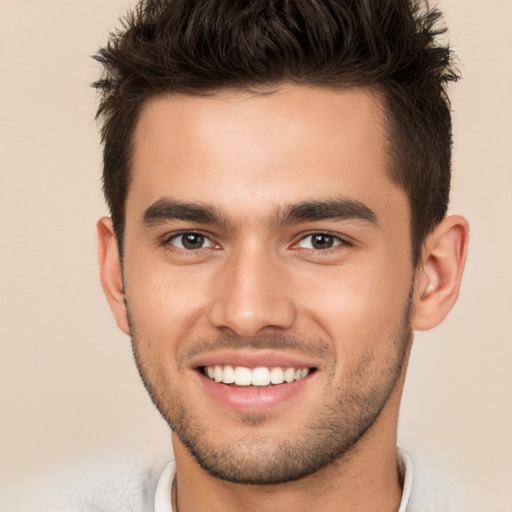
column 278, row 178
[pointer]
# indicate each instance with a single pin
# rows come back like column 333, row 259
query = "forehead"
column 245, row 152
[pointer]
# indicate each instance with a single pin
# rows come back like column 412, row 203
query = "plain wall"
column 68, row 387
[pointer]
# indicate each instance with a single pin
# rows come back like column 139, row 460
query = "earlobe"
column 111, row 272
column 439, row 274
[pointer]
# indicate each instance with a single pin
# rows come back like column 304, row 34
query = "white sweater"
column 133, row 488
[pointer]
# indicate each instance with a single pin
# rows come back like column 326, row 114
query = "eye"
column 319, row 241
column 190, row 241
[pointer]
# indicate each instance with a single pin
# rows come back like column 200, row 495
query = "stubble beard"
column 335, row 427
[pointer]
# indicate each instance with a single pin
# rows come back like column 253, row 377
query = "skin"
column 346, row 310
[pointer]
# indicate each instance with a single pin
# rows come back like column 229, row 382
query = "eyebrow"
column 335, row 209
column 166, row 209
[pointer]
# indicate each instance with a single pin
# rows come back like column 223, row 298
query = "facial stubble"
column 335, row 427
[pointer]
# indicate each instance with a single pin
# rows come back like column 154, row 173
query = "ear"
column 439, row 273
column 111, row 273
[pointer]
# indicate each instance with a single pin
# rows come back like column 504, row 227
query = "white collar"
column 163, row 492
column 405, row 471
column 163, row 499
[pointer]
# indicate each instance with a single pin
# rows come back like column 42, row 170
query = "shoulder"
column 110, row 487
column 434, row 489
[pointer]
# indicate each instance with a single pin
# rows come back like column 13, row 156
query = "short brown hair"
column 203, row 46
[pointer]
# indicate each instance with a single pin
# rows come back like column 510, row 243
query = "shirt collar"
column 163, row 493
column 405, row 472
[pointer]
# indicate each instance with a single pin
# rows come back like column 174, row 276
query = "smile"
column 254, row 377
column 256, row 381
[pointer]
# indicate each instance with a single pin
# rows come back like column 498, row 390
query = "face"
column 267, row 273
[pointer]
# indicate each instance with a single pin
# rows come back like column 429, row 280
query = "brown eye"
column 319, row 241
column 322, row 241
column 190, row 241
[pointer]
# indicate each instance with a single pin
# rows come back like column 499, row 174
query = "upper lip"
column 254, row 359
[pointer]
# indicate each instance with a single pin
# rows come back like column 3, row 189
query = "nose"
column 252, row 294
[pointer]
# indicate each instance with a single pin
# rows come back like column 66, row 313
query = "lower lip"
column 253, row 399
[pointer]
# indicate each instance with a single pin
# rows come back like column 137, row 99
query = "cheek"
column 360, row 308
column 165, row 303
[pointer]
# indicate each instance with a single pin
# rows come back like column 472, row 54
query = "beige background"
column 69, row 390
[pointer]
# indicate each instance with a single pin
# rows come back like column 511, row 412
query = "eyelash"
column 339, row 243
column 337, row 240
column 175, row 236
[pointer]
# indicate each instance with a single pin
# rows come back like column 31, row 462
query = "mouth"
column 255, row 381
column 259, row 377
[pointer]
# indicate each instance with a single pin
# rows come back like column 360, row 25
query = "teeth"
column 261, row 376
column 276, row 375
column 289, row 374
column 243, row 376
column 228, row 375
